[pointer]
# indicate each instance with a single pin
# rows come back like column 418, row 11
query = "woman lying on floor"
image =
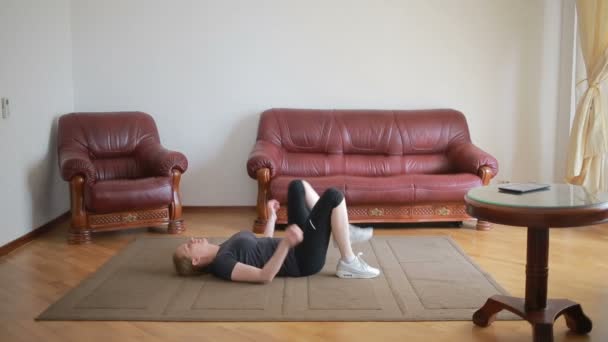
column 311, row 221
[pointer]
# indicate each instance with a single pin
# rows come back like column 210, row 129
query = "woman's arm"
column 269, row 228
column 248, row 273
column 273, row 207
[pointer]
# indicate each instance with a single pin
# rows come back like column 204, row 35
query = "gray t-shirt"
column 246, row 248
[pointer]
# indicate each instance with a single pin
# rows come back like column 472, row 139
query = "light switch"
column 6, row 109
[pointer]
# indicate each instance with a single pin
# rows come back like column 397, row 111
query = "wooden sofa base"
column 124, row 220
column 424, row 212
column 435, row 212
column 84, row 223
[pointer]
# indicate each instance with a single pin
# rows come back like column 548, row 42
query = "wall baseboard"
column 11, row 246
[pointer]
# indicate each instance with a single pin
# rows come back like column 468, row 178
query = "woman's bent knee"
column 334, row 196
column 309, row 270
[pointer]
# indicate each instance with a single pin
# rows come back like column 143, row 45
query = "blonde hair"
column 183, row 265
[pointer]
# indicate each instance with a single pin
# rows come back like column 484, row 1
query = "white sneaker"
column 358, row 268
column 357, row 234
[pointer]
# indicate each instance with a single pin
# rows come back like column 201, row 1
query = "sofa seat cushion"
column 444, row 187
column 320, row 164
column 279, row 185
column 387, row 190
column 128, row 194
column 374, row 190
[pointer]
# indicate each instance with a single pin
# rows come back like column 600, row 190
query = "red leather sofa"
column 391, row 165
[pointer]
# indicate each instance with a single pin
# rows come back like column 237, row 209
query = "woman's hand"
column 293, row 235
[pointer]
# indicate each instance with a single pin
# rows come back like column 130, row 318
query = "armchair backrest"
column 109, row 139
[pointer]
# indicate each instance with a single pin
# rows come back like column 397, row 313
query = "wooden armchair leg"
column 77, row 236
column 259, row 225
column 79, row 231
column 263, row 176
column 485, row 173
column 176, row 223
column 483, row 225
column 176, row 227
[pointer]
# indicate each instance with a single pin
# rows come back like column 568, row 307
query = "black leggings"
column 315, row 224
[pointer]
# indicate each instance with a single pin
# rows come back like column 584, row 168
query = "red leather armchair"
column 119, row 173
column 392, row 166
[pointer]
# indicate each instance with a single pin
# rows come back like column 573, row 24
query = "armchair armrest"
column 74, row 162
column 264, row 155
column 467, row 157
column 159, row 161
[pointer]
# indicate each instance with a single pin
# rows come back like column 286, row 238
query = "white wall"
column 206, row 69
column 36, row 76
column 566, row 92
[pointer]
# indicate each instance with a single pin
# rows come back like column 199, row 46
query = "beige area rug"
column 423, row 279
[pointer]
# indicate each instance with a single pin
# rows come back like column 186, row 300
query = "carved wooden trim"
column 483, row 225
column 263, row 177
column 135, row 218
column 485, row 173
column 440, row 211
column 79, row 231
column 176, row 223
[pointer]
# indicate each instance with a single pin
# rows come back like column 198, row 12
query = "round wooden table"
column 560, row 206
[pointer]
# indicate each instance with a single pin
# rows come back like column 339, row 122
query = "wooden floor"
column 35, row 275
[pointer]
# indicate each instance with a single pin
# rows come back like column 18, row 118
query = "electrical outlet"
column 6, row 109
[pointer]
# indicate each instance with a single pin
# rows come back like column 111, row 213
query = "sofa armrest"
column 467, row 157
column 74, row 162
column 264, row 155
column 159, row 161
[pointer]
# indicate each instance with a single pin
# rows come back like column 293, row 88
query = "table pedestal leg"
column 535, row 308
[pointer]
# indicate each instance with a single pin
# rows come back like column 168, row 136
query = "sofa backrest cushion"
column 364, row 132
column 363, row 142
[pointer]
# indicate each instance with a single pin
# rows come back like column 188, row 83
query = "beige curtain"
column 589, row 133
